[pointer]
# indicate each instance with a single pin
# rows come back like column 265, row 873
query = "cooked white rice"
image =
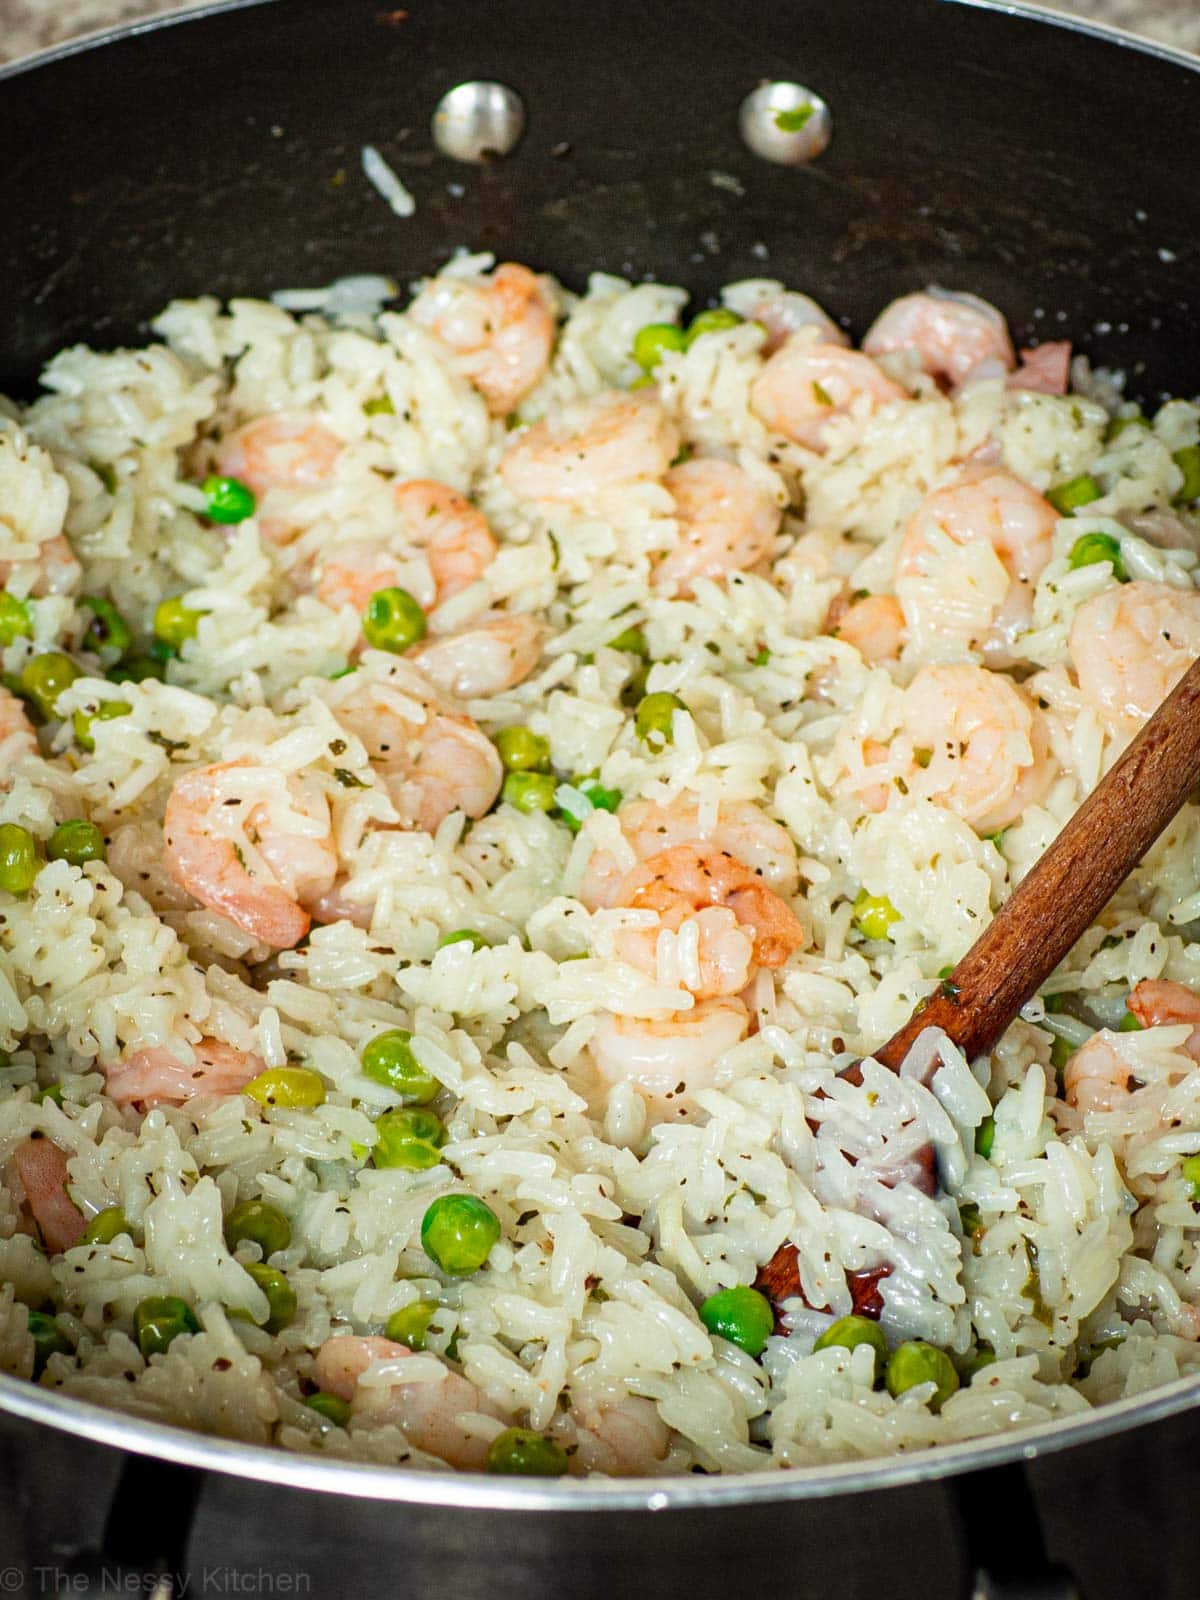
column 1070, row 1251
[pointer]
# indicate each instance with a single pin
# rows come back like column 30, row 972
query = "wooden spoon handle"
column 1071, row 884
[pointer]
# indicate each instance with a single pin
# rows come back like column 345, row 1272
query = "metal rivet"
column 768, row 119
column 478, row 121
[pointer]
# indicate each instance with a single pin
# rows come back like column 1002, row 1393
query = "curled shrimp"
column 1158, row 1002
column 434, row 1416
column 668, row 1059
column 726, row 523
column 1130, row 646
column 55, row 569
column 157, row 1077
column 253, row 844
column 783, row 312
column 873, row 624
column 501, row 328
column 969, row 740
column 38, row 1171
column 953, row 337
column 683, row 885
column 607, row 442
column 941, row 603
column 431, row 767
column 453, row 534
column 627, row 1439
column 17, row 737
column 805, row 385
column 1098, row 1077
column 495, row 653
column 739, row 827
column 274, row 456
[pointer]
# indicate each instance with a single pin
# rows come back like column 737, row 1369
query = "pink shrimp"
column 494, row 653
column 17, row 737
column 627, row 1439
column 726, row 524
column 740, row 828
column 783, row 312
column 157, row 1077
column 430, row 768
column 1044, row 369
column 253, row 844
column 431, row 1415
column 453, row 534
column 668, row 1059
column 56, row 569
column 40, row 1170
column 1098, row 1077
column 501, row 327
column 873, row 624
column 1130, row 646
column 942, row 605
column 608, row 442
column 682, row 880
column 275, row 456
column 954, row 337
column 806, row 385
column 1157, row 1003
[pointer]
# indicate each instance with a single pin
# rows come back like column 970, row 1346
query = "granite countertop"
column 31, row 24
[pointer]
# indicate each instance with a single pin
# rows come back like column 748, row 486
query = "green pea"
column 742, row 1316
column 1129, row 1024
column 715, row 321
column 847, row 1333
column 1190, row 1169
column 632, row 641
column 174, row 623
column 458, row 1232
column 52, row 1092
column 264, row 1225
column 985, row 1137
column 918, row 1362
column 160, row 1319
column 1067, row 498
column 464, row 936
column 48, row 1340
column 530, row 791
column 229, row 500
column 519, row 1452
column 393, row 621
column 281, row 1297
column 874, row 915
column 634, row 689
column 137, row 669
column 1090, row 549
column 15, row 621
column 294, row 1088
column 522, row 750
column 410, row 1324
column 20, row 860
column 654, row 720
column 43, row 679
column 603, row 799
column 76, row 841
column 653, row 341
column 381, row 406
column 330, row 1406
column 106, row 1226
column 108, row 629
column 388, row 1059
column 83, row 721
column 1188, row 462
column 1118, row 426
column 409, row 1138
column 984, row 1356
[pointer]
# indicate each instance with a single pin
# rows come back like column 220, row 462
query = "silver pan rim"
column 365, row 1480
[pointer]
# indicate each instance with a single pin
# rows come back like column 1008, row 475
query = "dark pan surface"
column 1043, row 167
